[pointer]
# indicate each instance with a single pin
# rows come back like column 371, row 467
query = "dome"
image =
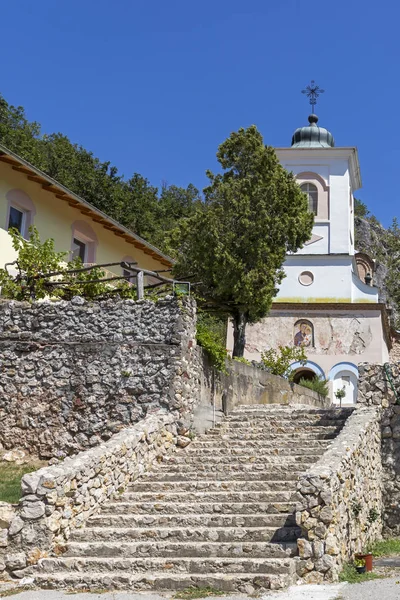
column 312, row 136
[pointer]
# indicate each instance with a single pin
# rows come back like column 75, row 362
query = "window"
column 78, row 250
column 312, row 193
column 83, row 242
column 16, row 219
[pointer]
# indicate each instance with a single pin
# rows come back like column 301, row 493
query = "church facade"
column 327, row 302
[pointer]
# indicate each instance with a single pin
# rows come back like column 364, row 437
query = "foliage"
column 241, row 359
column 373, row 515
column 235, row 245
column 359, row 562
column 10, row 479
column 357, row 508
column 340, row 393
column 388, row 547
column 317, row 384
column 350, row 575
column 210, row 341
column 133, row 202
column 191, row 593
column 215, row 323
column 278, row 361
column 34, row 258
column 360, row 209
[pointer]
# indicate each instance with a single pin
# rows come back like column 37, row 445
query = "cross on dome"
column 313, row 91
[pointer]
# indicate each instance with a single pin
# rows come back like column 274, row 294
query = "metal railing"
column 178, row 287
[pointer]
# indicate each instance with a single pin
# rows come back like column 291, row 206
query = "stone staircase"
column 219, row 513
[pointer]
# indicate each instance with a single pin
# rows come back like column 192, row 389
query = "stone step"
column 260, row 432
column 208, row 496
column 189, row 565
column 280, row 420
column 206, row 469
column 192, row 520
column 120, row 580
column 122, row 507
column 212, row 485
column 185, row 534
column 243, row 451
column 272, row 473
column 182, row 549
column 270, row 424
column 287, row 414
column 188, row 463
column 262, row 444
column 291, row 409
column 215, row 437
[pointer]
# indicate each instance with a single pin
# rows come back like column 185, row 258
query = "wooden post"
column 140, row 285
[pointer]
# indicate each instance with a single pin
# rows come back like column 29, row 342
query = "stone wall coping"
column 46, row 479
column 345, row 444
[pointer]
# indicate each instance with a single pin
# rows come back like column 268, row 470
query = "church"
column 327, row 302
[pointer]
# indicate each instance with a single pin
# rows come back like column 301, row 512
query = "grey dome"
column 312, row 136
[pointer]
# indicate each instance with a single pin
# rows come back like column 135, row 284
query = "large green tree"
column 234, row 247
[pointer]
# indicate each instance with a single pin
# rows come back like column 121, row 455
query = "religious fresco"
column 303, row 333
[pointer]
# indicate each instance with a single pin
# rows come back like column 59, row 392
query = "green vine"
column 210, row 341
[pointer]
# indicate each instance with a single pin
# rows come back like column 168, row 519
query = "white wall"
column 335, row 172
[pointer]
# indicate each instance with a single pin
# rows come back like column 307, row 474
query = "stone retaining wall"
column 245, row 384
column 74, row 373
column 340, row 499
column 375, row 390
column 59, row 498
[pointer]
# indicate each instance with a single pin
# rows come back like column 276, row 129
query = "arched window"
column 312, row 192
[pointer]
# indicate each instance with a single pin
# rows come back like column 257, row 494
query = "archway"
column 304, row 373
column 345, row 377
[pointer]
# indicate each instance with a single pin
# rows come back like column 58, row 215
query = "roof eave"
column 14, row 158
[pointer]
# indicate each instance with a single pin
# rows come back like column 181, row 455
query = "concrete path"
column 384, row 589
column 304, row 592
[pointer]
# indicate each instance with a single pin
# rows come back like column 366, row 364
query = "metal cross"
column 312, row 92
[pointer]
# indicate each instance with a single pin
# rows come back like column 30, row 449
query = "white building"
column 326, row 303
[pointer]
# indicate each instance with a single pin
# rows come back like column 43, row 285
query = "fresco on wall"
column 303, row 333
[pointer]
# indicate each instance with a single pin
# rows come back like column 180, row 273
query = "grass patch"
column 191, row 593
column 14, row 591
column 10, row 479
column 350, row 575
column 387, row 547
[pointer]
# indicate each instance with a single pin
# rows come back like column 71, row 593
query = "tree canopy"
column 148, row 211
column 235, row 246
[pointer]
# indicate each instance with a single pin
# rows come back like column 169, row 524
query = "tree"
column 135, row 203
column 360, row 209
column 254, row 214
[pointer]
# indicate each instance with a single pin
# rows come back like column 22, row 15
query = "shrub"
column 317, row 384
column 242, row 359
column 211, row 342
column 36, row 259
column 278, row 361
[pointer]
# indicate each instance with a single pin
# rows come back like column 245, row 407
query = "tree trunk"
column 239, row 330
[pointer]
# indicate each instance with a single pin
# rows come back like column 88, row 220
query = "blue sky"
column 155, row 85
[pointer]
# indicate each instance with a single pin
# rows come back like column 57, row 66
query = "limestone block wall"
column 340, row 499
column 74, row 373
column 375, row 390
column 59, row 498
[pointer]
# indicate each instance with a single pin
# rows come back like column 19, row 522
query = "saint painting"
column 303, row 334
